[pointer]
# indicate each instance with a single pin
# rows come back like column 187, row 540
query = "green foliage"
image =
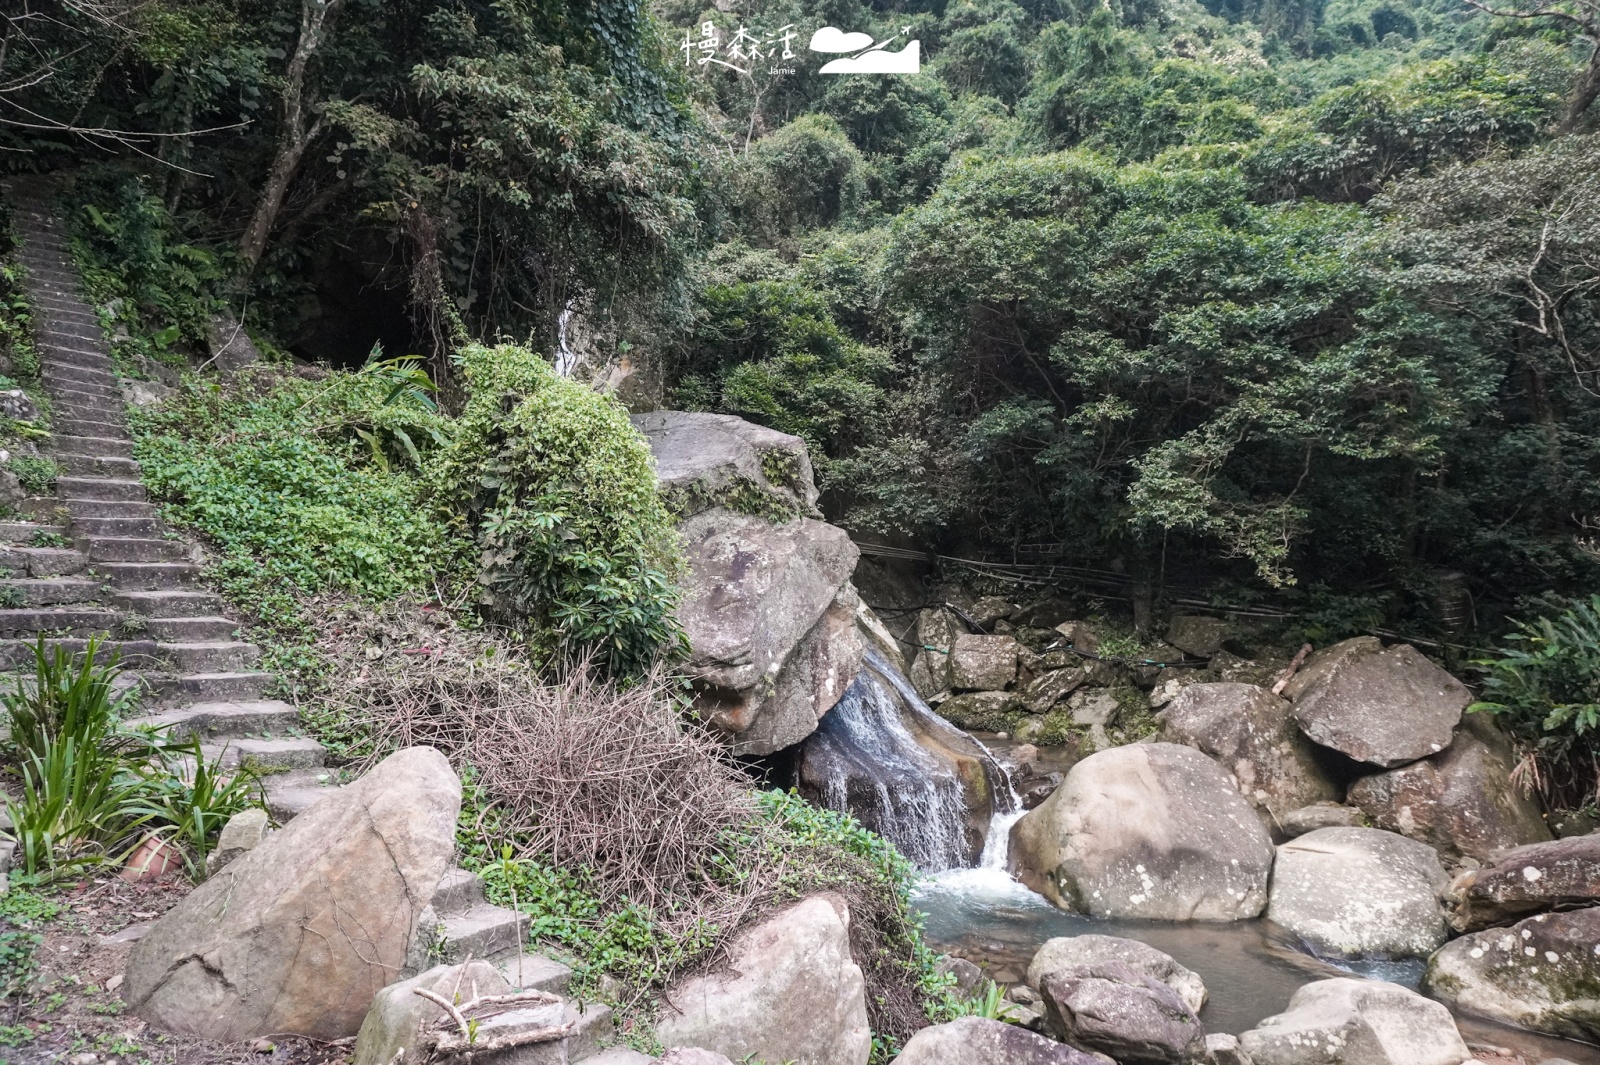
column 80, row 805
column 21, row 913
column 558, row 492
column 302, row 483
column 70, row 696
column 189, row 798
column 1544, row 686
column 37, row 473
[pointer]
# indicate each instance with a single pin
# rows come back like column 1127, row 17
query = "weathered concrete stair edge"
column 130, row 576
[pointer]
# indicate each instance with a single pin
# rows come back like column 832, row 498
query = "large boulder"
column 790, row 992
column 937, row 630
column 1152, row 830
column 1359, row 892
column 770, row 615
column 1249, row 730
column 1460, row 801
column 1072, row 952
column 1196, row 634
column 298, row 934
column 1113, row 1008
column 398, row 1013
column 1356, row 1022
column 717, row 460
column 1542, row 973
column 1561, row 874
column 983, row 663
column 979, row 1041
column 902, row 770
column 1386, row 708
column 982, row 711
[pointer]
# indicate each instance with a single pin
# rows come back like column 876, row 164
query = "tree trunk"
column 315, row 16
column 1584, row 93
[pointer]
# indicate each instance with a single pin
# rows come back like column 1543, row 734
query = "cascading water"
column 884, row 756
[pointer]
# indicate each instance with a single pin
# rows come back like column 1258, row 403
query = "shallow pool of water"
column 1250, row 969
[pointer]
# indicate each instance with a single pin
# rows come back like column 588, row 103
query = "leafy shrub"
column 1545, row 688
column 80, row 805
column 558, row 492
column 189, row 798
column 21, row 912
column 70, row 696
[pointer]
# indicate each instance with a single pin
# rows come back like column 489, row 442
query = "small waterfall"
column 884, row 756
column 566, row 358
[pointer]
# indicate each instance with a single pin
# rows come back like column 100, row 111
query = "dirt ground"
column 70, row 1011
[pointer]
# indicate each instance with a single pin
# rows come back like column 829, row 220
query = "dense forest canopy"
column 1270, row 297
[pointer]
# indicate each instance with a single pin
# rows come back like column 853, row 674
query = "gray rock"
column 1113, row 1008
column 137, row 393
column 1319, row 815
column 978, row 1041
column 1050, row 688
column 770, row 616
column 969, row 978
column 930, row 672
column 1359, row 892
column 1198, row 635
column 1542, row 973
column 989, row 609
column 1152, row 830
column 1072, row 952
column 717, row 460
column 298, row 935
column 397, row 1015
column 1561, row 874
column 15, row 404
column 241, row 834
column 1224, row 1049
column 12, row 494
column 983, row 663
column 1356, row 1022
column 981, row 711
column 1320, row 664
column 1249, row 730
column 1386, row 707
column 1461, row 801
column 790, row 992
column 230, row 346
column 692, row 1056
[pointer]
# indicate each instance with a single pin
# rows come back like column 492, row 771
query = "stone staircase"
column 97, row 560
column 124, row 576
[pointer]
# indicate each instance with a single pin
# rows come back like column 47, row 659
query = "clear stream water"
column 1250, row 968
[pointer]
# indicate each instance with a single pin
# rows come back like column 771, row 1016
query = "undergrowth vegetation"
column 629, row 837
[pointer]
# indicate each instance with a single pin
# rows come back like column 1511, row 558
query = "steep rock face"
column 902, row 770
column 1249, row 731
column 1153, row 830
column 1385, row 707
column 1356, row 1022
column 1560, row 874
column 768, row 606
column 1359, row 892
column 298, row 934
column 1542, row 973
column 790, row 993
column 1460, row 801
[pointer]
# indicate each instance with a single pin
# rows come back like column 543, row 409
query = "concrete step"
column 110, row 509
column 458, row 892
column 50, row 591
column 175, row 689
column 93, row 427
column 529, row 971
column 21, row 532
column 132, row 654
column 73, row 487
column 97, row 466
column 129, row 549
column 104, row 446
column 619, row 1056
column 61, row 621
column 259, row 718
column 67, row 336
column 67, row 315
column 483, row 932
column 592, row 1025
column 202, row 629
column 96, row 389
column 168, row 603
column 149, row 576
column 289, row 752
column 70, row 360
column 42, row 562
column 231, row 656
column 292, row 793
column 120, row 528
column 76, row 412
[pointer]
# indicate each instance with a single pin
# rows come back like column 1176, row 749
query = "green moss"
column 744, row 496
column 981, row 715
column 1134, row 719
